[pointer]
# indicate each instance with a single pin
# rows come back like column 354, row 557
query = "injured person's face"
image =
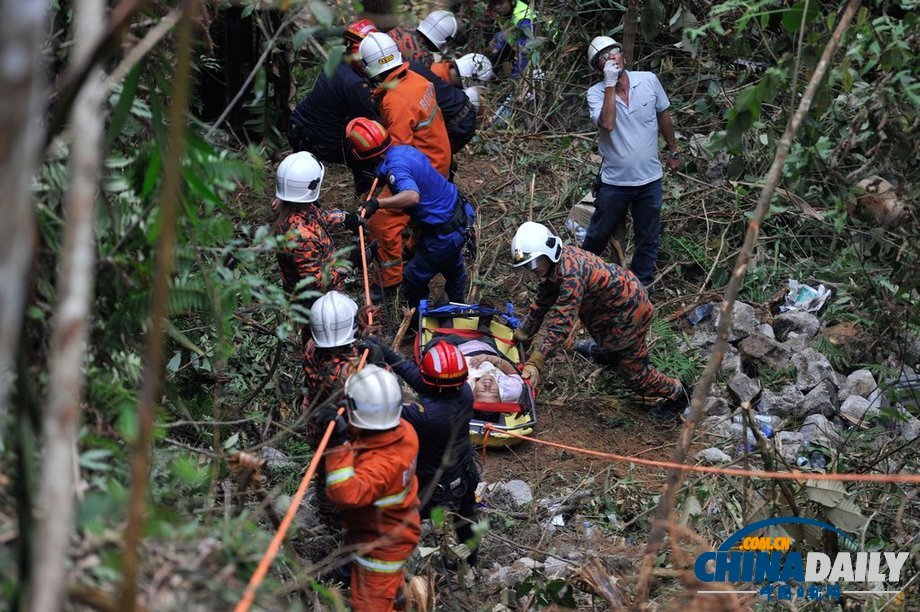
column 486, row 389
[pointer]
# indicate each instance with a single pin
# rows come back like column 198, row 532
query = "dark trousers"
column 441, row 255
column 462, row 501
column 610, row 206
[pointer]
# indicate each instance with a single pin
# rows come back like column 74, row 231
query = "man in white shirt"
column 629, row 109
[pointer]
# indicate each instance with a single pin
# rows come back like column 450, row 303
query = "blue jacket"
column 442, row 422
column 406, row 168
column 331, row 104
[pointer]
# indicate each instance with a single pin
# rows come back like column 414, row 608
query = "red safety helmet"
column 368, row 138
column 356, row 32
column 444, row 366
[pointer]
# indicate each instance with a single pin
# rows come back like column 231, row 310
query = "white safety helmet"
column 532, row 240
column 597, row 45
column 438, row 27
column 379, row 53
column 332, row 320
column 474, row 68
column 299, row 178
column 475, row 96
column 374, row 398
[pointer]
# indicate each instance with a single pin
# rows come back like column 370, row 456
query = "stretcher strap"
column 496, row 407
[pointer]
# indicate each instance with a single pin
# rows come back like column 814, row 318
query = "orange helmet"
column 444, row 366
column 368, row 138
column 356, row 32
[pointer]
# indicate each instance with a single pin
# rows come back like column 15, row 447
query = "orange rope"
column 271, row 552
column 907, row 478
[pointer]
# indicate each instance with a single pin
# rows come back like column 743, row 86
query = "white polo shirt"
column 630, row 151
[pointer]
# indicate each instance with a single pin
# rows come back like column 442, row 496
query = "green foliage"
column 774, row 379
column 667, row 356
column 558, row 592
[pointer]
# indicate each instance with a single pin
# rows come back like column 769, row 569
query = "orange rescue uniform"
column 442, row 69
column 372, row 482
column 409, row 110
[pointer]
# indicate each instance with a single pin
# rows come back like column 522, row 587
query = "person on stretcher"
column 492, row 377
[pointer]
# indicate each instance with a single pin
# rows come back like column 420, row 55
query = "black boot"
column 671, row 408
column 587, row 348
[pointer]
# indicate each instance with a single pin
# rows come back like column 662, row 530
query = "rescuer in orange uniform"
column 409, row 110
column 371, row 479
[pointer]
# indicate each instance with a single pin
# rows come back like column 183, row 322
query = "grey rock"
column 516, row 492
column 820, row 400
column 497, row 577
column 789, row 445
column 703, row 338
column 717, row 426
column 757, row 346
column 731, row 361
column 878, row 399
column 838, row 379
column 744, row 320
column 767, row 330
column 716, row 406
column 818, row 429
column 555, row 568
column 783, row 404
column 861, row 383
column 811, row 368
column 743, row 387
column 712, row 455
column 856, row 409
column 526, row 563
column 274, row 458
column 800, row 322
column 909, row 428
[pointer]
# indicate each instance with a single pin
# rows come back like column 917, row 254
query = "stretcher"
column 463, row 320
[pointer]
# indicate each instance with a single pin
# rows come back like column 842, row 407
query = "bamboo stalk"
column 154, row 354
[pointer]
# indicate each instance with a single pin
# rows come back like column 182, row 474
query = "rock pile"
column 815, row 409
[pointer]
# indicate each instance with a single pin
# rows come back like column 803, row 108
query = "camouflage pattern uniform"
column 312, row 255
column 613, row 307
column 410, row 45
column 326, row 370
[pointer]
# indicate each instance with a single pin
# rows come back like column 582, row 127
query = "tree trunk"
column 71, row 321
column 630, row 21
column 23, row 83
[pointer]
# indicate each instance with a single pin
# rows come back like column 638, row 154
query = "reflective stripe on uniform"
column 377, row 565
column 392, row 500
column 341, row 475
column 427, row 122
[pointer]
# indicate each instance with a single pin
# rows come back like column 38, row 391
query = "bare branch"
column 106, row 44
column 672, row 484
column 22, row 81
column 71, row 321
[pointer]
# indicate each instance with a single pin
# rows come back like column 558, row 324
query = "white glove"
column 475, row 95
column 611, row 74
